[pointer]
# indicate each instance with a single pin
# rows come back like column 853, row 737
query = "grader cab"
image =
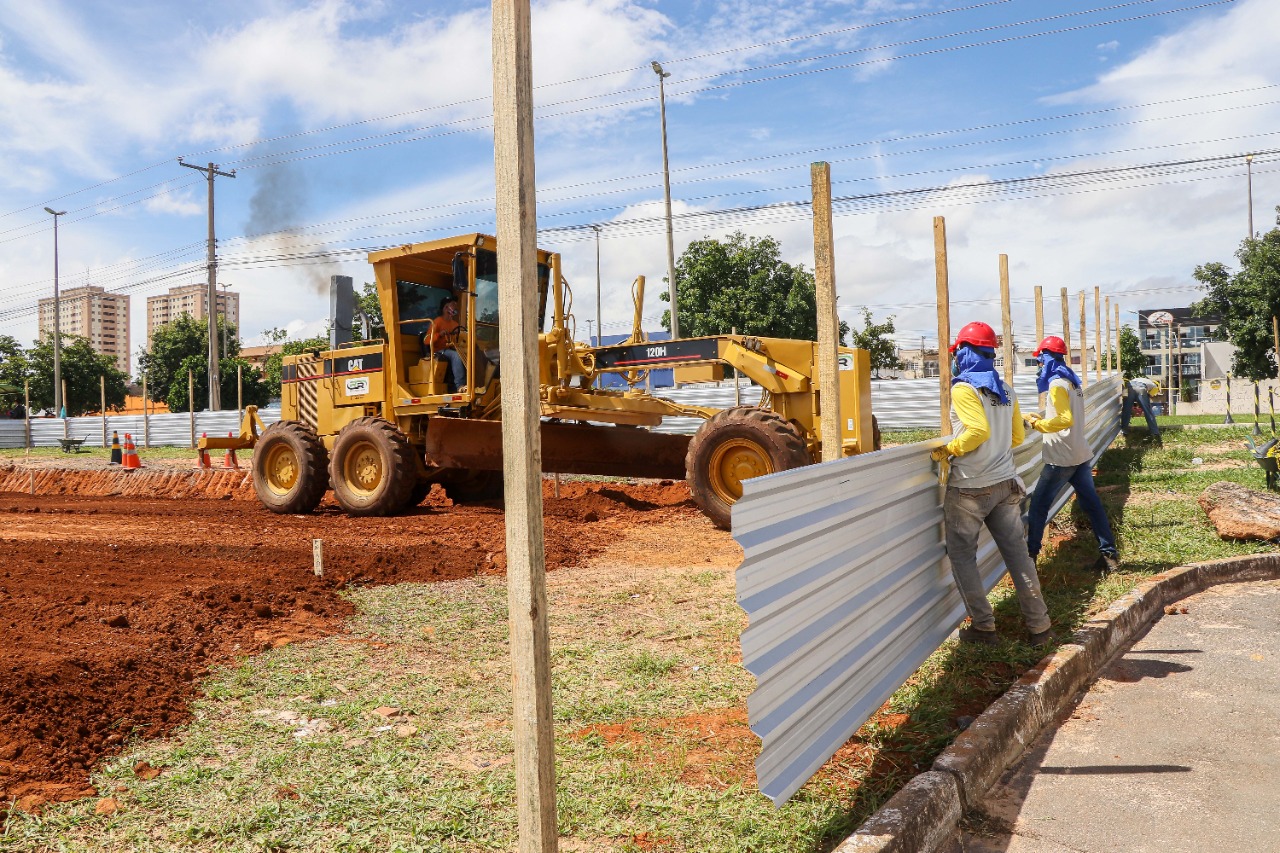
column 380, row 421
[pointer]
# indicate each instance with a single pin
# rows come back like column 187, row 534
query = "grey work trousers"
column 999, row 507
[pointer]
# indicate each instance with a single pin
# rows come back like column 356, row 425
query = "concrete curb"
column 923, row 815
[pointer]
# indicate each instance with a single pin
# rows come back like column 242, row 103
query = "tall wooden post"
column 240, row 389
column 1084, row 347
column 944, row 320
column 146, row 419
column 1097, row 333
column 191, row 405
column 1066, row 324
column 1106, row 312
column 66, row 422
column 1040, row 330
column 102, row 388
column 1006, row 320
column 824, row 280
column 26, row 408
column 1116, row 309
column 521, row 440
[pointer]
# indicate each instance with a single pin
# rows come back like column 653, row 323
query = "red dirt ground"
column 113, row 607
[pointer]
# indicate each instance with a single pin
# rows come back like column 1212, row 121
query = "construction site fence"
column 847, row 588
column 166, row 430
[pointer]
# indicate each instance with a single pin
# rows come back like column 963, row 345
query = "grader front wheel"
column 372, row 468
column 289, row 468
column 736, row 445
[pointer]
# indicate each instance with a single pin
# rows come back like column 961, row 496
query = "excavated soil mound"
column 114, row 603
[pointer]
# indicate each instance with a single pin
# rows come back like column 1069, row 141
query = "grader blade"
column 566, row 449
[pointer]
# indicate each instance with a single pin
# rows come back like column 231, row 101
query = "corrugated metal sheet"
column 167, row 430
column 847, row 589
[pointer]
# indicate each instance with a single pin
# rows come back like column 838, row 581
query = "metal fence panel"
column 169, row 429
column 847, row 589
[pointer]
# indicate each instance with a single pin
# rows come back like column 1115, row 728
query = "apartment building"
column 92, row 313
column 190, row 299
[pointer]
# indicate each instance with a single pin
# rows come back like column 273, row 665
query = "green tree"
column 13, row 370
column 1245, row 301
column 1132, row 361
column 83, row 369
column 271, row 372
column 742, row 283
column 367, row 301
column 183, row 345
column 877, row 339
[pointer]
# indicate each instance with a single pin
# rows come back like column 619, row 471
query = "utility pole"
column 57, row 321
column 215, row 381
column 666, row 189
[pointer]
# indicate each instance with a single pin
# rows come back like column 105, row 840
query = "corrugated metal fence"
column 171, row 430
column 847, row 589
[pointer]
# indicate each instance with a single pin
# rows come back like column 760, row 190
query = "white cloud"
column 179, row 202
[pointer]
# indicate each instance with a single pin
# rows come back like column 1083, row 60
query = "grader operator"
column 380, row 421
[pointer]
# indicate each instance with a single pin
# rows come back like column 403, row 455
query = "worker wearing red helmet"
column 1068, row 459
column 984, row 488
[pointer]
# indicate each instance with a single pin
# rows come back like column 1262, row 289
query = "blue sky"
column 353, row 126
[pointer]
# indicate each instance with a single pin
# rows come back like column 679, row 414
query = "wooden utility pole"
column 215, row 379
column 1006, row 320
column 942, row 277
column 824, row 280
column 1066, row 324
column 521, row 440
column 1084, row 347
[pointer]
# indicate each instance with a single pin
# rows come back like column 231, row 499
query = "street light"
column 666, row 189
column 58, row 402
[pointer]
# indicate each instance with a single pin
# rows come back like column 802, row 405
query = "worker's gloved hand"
column 1030, row 418
column 940, row 454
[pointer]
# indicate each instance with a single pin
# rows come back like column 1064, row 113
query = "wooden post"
column 1084, row 347
column 1040, row 331
column 1066, row 324
column 1097, row 333
column 191, row 406
column 62, row 414
column 240, row 389
column 102, row 388
column 317, row 557
column 146, row 421
column 1116, row 309
column 824, row 281
column 1106, row 312
column 1275, row 338
column 1006, row 320
column 26, row 408
column 943, row 280
column 521, row 441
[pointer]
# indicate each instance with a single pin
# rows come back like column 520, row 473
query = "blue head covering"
column 1052, row 366
column 977, row 366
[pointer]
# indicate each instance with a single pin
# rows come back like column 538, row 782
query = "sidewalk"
column 1176, row 746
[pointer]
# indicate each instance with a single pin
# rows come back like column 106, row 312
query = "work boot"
column 1043, row 638
column 1107, row 563
column 973, row 635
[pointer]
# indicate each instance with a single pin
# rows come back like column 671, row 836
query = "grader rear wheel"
column 736, row 445
column 289, row 468
column 372, row 468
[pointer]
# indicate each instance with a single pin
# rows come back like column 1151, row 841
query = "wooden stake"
column 146, row 419
column 102, row 387
column 26, row 408
column 191, row 405
column 1040, row 331
column 1006, row 320
column 1066, row 324
column 317, row 557
column 1106, row 312
column 1084, row 347
column 942, row 277
column 240, row 389
column 1275, row 337
column 1097, row 333
column 521, row 440
column 824, row 280
column 1116, row 309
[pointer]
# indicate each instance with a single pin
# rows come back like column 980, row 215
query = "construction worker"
column 1068, row 459
column 984, row 487
column 1139, row 389
column 444, row 333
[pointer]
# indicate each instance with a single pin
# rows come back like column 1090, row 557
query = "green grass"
column 649, row 694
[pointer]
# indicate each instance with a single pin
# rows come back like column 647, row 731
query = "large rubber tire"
column 735, row 445
column 290, row 468
column 464, row 487
column 372, row 468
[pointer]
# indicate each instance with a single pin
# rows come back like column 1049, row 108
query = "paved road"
column 1176, row 747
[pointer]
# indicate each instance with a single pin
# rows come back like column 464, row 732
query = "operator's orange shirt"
column 442, row 329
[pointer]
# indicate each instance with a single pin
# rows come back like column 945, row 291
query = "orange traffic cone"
column 131, row 461
column 229, row 459
column 202, row 460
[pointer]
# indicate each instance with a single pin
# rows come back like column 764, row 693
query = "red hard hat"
column 1052, row 343
column 977, row 333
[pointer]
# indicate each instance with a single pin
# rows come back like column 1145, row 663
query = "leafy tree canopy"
column 83, row 370
column 182, row 345
column 877, row 339
column 1245, row 301
column 271, row 373
column 742, row 283
column 13, row 369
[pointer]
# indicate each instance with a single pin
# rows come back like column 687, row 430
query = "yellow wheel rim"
column 734, row 461
column 282, row 469
column 362, row 469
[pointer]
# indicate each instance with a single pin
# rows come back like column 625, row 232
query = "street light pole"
column 57, row 320
column 666, row 189
column 1248, row 159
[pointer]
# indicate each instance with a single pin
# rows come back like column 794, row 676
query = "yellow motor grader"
column 380, row 421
